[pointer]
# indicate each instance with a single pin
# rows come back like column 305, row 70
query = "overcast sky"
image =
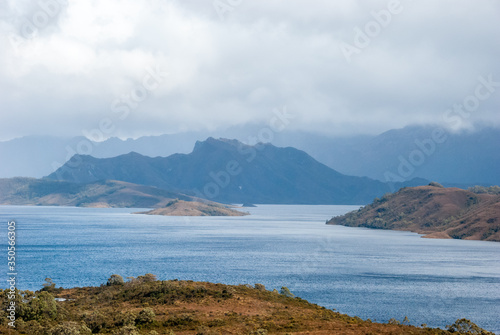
column 339, row 67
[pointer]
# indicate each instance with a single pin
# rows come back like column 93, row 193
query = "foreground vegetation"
column 146, row 306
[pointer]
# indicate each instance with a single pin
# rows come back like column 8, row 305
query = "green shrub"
column 95, row 321
column 49, row 285
column 260, row 287
column 127, row 330
column 147, row 278
column 128, row 318
column 147, row 315
column 70, row 328
column 464, row 326
column 115, row 280
column 286, row 292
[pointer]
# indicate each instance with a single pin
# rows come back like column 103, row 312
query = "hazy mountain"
column 38, row 156
column 463, row 159
column 229, row 171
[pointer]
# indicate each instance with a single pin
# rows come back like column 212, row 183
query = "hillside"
column 44, row 192
column 193, row 208
column 434, row 211
column 146, row 306
column 229, row 171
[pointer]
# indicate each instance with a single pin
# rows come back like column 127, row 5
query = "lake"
column 373, row 274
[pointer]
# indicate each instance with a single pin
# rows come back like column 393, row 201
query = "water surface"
column 373, row 274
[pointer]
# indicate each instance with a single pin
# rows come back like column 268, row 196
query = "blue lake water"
column 373, row 274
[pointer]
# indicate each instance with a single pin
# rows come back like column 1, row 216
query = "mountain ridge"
column 229, row 171
column 359, row 155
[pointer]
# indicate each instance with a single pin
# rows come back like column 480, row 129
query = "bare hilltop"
column 434, row 211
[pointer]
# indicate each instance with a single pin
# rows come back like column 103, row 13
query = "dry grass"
column 435, row 211
column 187, row 307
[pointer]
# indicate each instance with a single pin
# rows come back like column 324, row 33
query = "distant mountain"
column 44, row 192
column 38, row 156
column 231, row 172
column 462, row 159
column 432, row 210
column 430, row 152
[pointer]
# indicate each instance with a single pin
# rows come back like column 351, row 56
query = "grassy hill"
column 435, row 211
column 145, row 306
column 44, row 192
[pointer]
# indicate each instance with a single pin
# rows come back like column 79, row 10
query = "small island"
column 434, row 211
column 193, row 208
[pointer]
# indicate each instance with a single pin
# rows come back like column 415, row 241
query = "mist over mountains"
column 460, row 159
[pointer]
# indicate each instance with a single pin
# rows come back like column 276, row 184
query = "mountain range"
column 459, row 159
column 229, row 171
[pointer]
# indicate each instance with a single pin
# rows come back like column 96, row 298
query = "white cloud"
column 263, row 55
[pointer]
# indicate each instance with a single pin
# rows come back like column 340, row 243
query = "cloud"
column 88, row 54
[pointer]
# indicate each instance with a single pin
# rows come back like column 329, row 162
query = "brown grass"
column 435, row 211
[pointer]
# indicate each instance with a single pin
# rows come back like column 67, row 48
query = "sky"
column 130, row 68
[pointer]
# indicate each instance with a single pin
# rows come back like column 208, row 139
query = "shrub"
column 286, row 292
column 115, row 280
column 260, row 287
column 147, row 278
column 128, row 318
column 43, row 306
column 147, row 315
column 31, row 327
column 95, row 321
column 464, row 326
column 70, row 328
column 435, row 184
column 260, row 331
column 49, row 285
column 127, row 330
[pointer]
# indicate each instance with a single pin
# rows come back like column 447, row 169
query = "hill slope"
column 436, row 211
column 147, row 306
column 231, row 172
column 43, row 192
